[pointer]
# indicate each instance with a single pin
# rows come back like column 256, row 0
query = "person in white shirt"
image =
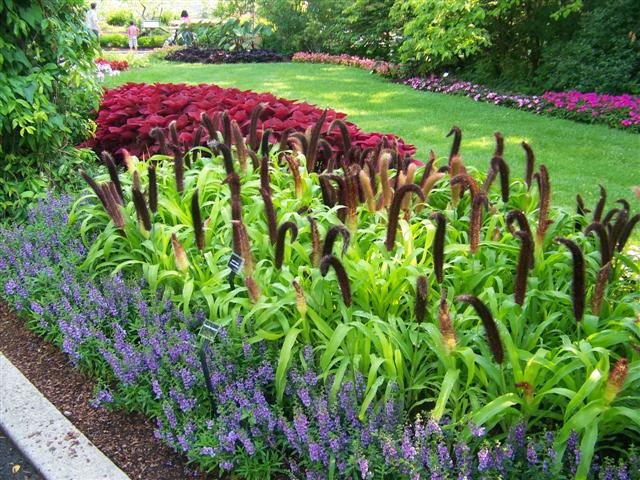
column 91, row 21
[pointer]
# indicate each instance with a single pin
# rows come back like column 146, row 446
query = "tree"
column 47, row 89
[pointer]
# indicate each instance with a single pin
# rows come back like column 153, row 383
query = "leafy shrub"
column 43, row 111
column 120, row 18
column 530, row 345
column 212, row 55
column 146, row 359
column 603, row 55
column 114, row 40
column 152, row 41
column 129, row 113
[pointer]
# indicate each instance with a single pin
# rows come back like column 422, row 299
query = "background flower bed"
column 216, row 55
column 617, row 111
column 128, row 114
column 386, row 69
column 115, row 65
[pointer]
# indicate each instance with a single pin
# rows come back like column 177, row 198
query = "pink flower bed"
column 617, row 111
column 128, row 113
column 622, row 109
column 383, row 68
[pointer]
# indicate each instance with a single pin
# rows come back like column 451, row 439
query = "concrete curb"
column 53, row 445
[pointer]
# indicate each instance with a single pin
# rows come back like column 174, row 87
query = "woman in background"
column 184, row 16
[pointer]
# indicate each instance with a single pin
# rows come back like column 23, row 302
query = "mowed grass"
column 578, row 156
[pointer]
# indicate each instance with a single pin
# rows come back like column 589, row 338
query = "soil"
column 127, row 439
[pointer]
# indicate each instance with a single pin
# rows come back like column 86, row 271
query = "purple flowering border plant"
column 144, row 353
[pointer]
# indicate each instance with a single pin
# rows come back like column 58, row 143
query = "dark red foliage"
column 128, row 114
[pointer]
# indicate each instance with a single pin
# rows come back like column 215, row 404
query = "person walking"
column 91, row 21
column 133, row 33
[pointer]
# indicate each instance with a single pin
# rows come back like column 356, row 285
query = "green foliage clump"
column 114, row 40
column 232, row 34
column 120, row 18
column 47, row 88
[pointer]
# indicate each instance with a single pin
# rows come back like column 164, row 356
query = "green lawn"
column 578, row 156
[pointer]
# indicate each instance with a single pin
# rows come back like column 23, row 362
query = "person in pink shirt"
column 133, row 33
column 184, row 16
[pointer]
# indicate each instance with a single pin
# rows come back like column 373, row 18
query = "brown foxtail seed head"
column 270, row 213
column 626, row 232
column 265, row 146
column 180, row 257
column 301, row 302
column 343, row 280
column 282, row 232
column 490, row 327
column 330, row 239
column 422, row 294
column 227, row 158
column 265, row 177
column 252, row 289
column 344, row 132
column 438, row 244
column 603, row 237
column 254, row 140
column 498, row 164
column 618, row 228
column 544, row 187
column 284, row 138
column 298, row 142
column 236, row 203
column 197, row 137
column 394, row 211
column 158, row 135
column 94, row 186
column 457, row 140
column 524, row 262
column 313, row 142
column 196, row 217
column 445, row 324
column 153, row 188
column 226, row 129
column 601, row 285
column 113, row 174
column 578, row 286
column 173, row 132
column 531, row 160
column 178, row 168
column 241, row 147
column 315, row 242
column 208, row 124
column 365, row 183
column 140, row 203
column 499, row 145
column 329, row 195
column 245, row 247
column 597, row 213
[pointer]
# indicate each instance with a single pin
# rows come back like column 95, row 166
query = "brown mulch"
column 127, row 439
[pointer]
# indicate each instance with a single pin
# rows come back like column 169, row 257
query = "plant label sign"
column 235, row 264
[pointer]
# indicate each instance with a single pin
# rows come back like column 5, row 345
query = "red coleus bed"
column 128, row 113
